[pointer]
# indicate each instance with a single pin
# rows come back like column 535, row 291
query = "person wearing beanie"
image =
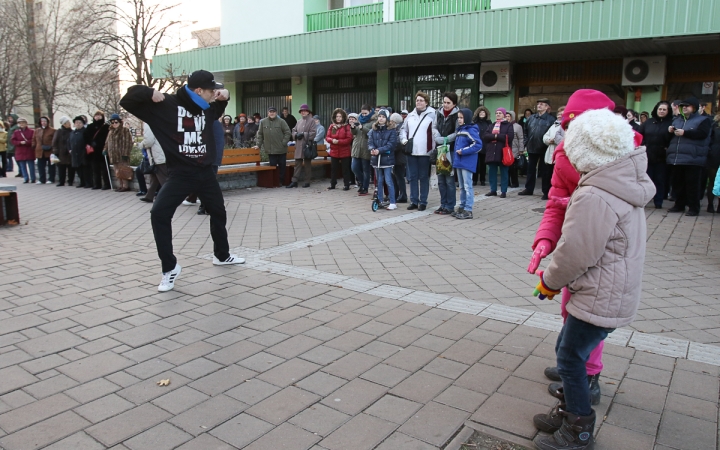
column 22, row 139
column 687, row 154
column 273, row 136
column 118, row 146
column 95, row 136
column 446, row 119
column 79, row 159
column 481, row 118
column 360, row 125
column 42, row 142
column 303, row 134
column 339, row 139
column 518, row 148
column 537, row 126
column 601, row 255
column 382, row 141
column 467, row 147
column 239, row 140
column 400, row 167
column 62, row 151
column 494, row 139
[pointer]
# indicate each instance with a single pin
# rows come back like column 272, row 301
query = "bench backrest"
column 241, row 156
column 321, row 149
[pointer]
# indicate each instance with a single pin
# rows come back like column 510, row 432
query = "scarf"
column 364, row 119
column 336, row 126
column 197, row 99
column 496, row 127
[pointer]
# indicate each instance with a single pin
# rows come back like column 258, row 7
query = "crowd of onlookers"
column 494, row 147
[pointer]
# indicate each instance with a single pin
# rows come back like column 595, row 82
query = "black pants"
column 686, row 187
column 49, row 175
column 712, row 173
column 513, row 172
column 338, row 164
column 3, row 164
column 65, row 170
column 399, row 172
column 279, row 161
column 547, row 178
column 180, row 183
column 101, row 179
column 140, row 177
column 480, row 171
column 536, row 165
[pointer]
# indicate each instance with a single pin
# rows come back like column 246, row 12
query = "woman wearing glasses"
column 118, row 145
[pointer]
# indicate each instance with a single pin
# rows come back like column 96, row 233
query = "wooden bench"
column 266, row 175
column 322, row 153
column 9, row 212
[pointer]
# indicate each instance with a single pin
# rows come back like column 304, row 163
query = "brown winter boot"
column 575, row 433
column 552, row 421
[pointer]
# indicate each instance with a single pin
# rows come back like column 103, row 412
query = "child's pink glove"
column 543, row 291
column 542, row 249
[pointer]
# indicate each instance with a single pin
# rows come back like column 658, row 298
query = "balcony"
column 419, row 9
column 346, row 17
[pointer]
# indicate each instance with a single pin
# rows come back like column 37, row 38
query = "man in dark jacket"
column 181, row 124
column 288, row 118
column 656, row 140
column 537, row 126
column 273, row 136
column 687, row 154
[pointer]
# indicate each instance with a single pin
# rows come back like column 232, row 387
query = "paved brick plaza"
column 346, row 329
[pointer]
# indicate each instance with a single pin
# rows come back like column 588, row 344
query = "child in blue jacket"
column 467, row 146
column 382, row 140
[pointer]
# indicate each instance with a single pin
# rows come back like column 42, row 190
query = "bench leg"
column 266, row 178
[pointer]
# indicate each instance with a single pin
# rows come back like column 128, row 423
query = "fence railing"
column 417, row 9
column 346, row 17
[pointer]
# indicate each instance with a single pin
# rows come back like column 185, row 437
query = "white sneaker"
column 168, row 279
column 232, row 259
column 187, row 203
column 392, row 206
column 48, row 182
column 38, row 182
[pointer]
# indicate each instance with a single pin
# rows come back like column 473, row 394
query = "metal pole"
column 107, row 164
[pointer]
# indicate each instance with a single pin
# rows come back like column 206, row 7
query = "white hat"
column 597, row 137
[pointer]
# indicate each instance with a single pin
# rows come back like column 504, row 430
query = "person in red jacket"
column 339, row 137
column 22, row 139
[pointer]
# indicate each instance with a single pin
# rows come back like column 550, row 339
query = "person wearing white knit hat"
column 61, row 152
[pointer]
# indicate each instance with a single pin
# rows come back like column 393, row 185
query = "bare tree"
column 142, row 32
column 13, row 70
column 101, row 89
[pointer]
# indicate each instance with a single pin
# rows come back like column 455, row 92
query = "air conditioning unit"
column 495, row 76
column 644, row 71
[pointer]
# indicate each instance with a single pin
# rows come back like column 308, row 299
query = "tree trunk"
column 32, row 54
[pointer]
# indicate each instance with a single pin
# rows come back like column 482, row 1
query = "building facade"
column 343, row 53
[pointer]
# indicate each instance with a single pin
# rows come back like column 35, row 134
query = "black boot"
column 556, row 389
column 552, row 373
column 291, row 185
column 575, row 433
column 552, row 421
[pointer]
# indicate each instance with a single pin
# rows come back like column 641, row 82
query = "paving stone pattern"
column 360, row 358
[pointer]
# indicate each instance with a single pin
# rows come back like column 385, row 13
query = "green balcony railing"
column 418, row 9
column 346, row 17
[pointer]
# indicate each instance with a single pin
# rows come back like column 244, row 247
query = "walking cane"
column 107, row 164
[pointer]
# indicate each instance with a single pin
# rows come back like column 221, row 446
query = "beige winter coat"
column 602, row 250
column 308, row 127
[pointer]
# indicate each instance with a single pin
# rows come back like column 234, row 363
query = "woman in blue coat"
column 467, row 146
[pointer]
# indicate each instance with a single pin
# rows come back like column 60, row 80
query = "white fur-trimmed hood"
column 596, row 138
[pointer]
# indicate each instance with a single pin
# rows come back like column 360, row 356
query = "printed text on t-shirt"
column 192, row 128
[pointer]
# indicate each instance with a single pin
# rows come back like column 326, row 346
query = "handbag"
column 444, row 165
column 89, row 149
column 508, row 158
column 123, row 172
column 146, row 168
column 310, row 150
column 409, row 144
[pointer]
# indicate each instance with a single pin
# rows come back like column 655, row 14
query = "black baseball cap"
column 203, row 79
column 272, row 108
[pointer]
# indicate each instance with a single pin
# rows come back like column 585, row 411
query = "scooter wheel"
column 375, row 205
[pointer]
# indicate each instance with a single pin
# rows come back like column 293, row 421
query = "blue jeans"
column 575, row 342
column 9, row 167
column 48, row 175
column 446, row 186
column 465, row 179
column 27, row 169
column 656, row 172
column 385, row 175
column 418, row 171
column 493, row 168
column 361, row 169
